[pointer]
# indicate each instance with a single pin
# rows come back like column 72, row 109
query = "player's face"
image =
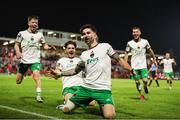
column 89, row 36
column 70, row 50
column 167, row 55
column 33, row 25
column 136, row 33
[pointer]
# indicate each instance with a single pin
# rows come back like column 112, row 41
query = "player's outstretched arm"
column 123, row 63
column 57, row 73
column 174, row 62
column 53, row 73
column 126, row 56
column 79, row 67
column 17, row 49
column 47, row 47
column 151, row 52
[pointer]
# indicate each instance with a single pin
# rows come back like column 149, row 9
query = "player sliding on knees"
column 97, row 85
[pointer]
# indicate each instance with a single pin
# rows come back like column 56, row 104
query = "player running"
column 137, row 47
column 168, row 63
column 27, row 47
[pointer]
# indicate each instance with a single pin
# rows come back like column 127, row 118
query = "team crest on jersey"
column 138, row 46
column 32, row 38
column 92, row 60
column 92, row 54
column 71, row 61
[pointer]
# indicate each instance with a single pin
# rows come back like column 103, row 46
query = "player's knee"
column 36, row 75
column 69, row 106
column 19, row 79
column 66, row 110
column 109, row 115
column 109, row 111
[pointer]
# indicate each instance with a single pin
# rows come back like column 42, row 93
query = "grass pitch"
column 18, row 101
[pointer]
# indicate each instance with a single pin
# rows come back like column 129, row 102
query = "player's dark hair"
column 33, row 17
column 88, row 26
column 70, row 42
column 170, row 54
column 136, row 27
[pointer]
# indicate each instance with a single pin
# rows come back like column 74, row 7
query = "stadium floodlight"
column 121, row 55
column 160, row 57
column 73, row 35
column 12, row 41
column 129, row 54
column 54, row 34
column 50, row 32
column 5, row 43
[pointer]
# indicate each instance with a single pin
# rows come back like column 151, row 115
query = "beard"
column 34, row 29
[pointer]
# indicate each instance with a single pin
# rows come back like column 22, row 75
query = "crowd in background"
column 9, row 64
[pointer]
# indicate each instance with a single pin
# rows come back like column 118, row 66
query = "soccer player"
column 27, row 47
column 153, row 73
column 168, row 63
column 96, row 63
column 138, row 46
column 71, row 84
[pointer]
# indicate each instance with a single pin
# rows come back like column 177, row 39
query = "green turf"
column 160, row 103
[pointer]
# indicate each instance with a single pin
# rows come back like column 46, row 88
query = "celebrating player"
column 96, row 63
column 138, row 47
column 168, row 63
column 71, row 84
column 27, row 48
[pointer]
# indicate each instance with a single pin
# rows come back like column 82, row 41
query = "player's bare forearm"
column 68, row 73
column 151, row 52
column 80, row 66
column 55, row 73
column 51, row 75
column 125, row 64
column 46, row 46
column 17, row 49
column 174, row 62
column 122, row 62
column 126, row 56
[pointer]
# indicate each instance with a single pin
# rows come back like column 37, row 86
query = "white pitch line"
column 30, row 113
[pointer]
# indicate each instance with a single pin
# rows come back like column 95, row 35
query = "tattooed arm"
column 80, row 66
column 122, row 62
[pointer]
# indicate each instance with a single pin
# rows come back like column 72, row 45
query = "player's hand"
column 155, row 61
column 53, row 47
column 18, row 55
column 51, row 73
column 56, row 72
column 133, row 72
column 48, row 73
column 48, row 47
